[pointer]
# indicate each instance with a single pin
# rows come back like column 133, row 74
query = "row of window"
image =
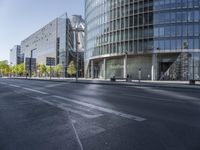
column 145, row 46
column 140, row 8
column 130, row 10
column 179, row 16
column 173, row 44
column 177, row 30
column 121, row 48
column 175, row 4
column 123, row 35
column 140, row 20
column 142, row 33
column 165, row 31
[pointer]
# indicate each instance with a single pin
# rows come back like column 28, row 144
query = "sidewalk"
column 145, row 83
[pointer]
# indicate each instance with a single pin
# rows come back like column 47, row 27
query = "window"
column 156, row 4
column 179, row 44
column 167, row 4
column 196, row 16
column 135, row 46
column 196, row 30
column 146, row 33
column 173, row 44
column 126, row 35
column 167, row 45
column 150, row 18
column 196, row 3
column 167, row 31
column 179, row 30
column 156, row 18
column 131, row 46
column 173, row 17
column 173, row 3
column 184, row 16
column 131, row 34
column 173, row 31
column 191, row 43
column 190, row 30
column 156, row 45
column 184, row 3
column 161, row 31
column 196, row 43
column 190, row 16
column 167, row 18
column 184, row 30
column 162, row 44
column 131, row 21
column 146, row 19
column 156, row 32
column 140, row 19
column 179, row 16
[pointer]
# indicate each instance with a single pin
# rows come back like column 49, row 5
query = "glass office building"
column 159, row 37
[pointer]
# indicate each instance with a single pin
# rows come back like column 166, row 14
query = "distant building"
column 15, row 56
column 78, row 23
column 56, row 39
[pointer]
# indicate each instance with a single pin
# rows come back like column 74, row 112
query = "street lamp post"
column 30, row 65
column 63, row 69
column 193, row 66
column 76, row 36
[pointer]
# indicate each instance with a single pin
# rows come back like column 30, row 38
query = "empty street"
column 47, row 115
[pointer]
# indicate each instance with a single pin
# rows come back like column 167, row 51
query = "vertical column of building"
column 104, row 68
column 87, row 69
column 154, row 67
column 125, row 66
column 92, row 69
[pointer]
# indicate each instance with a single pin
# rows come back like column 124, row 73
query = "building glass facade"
column 123, row 36
column 64, row 42
column 15, row 56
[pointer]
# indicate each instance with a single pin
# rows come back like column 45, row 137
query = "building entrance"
column 164, row 66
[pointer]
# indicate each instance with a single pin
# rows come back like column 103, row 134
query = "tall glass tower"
column 159, row 37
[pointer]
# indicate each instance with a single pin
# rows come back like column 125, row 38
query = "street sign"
column 30, row 64
column 50, row 61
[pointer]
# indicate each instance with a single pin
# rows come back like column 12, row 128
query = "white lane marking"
column 173, row 94
column 76, row 133
column 72, row 121
column 54, row 85
column 117, row 113
column 153, row 98
column 83, row 114
column 66, row 107
column 13, row 85
column 81, row 108
column 32, row 90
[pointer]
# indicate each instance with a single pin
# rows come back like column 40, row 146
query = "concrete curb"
column 142, row 84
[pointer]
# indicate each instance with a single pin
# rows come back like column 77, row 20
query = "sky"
column 21, row 18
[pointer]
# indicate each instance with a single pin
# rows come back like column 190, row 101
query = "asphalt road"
column 44, row 115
